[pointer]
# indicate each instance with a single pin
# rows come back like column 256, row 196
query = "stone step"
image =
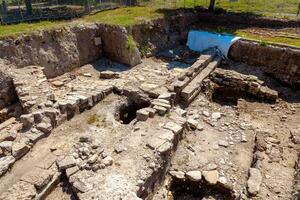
column 194, row 87
column 184, row 79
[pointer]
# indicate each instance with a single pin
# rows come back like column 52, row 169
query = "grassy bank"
column 132, row 15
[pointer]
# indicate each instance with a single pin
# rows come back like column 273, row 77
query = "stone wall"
column 119, row 46
column 163, row 33
column 281, row 62
column 57, row 50
column 7, row 95
column 7, row 91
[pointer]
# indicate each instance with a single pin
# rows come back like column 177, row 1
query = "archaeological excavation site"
column 160, row 110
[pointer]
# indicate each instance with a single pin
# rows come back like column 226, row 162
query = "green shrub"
column 131, row 45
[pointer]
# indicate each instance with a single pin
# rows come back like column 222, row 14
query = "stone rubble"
column 191, row 140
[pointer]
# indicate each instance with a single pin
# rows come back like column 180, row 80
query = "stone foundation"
column 281, row 62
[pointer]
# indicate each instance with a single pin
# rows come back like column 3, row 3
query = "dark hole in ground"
column 188, row 190
column 127, row 111
column 227, row 96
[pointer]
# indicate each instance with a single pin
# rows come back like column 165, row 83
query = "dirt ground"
column 162, row 157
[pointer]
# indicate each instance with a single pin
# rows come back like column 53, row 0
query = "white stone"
column 254, row 181
column 206, row 114
column 108, row 161
column 211, row 176
column 194, row 175
column 177, row 174
column 216, row 115
column 223, row 143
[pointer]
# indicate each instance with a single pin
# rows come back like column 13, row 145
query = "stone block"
column 161, row 110
column 175, row 128
column 65, row 163
column 5, row 163
column 19, row 149
column 142, row 114
column 27, row 120
column 38, row 177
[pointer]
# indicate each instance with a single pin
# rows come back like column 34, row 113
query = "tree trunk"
column 4, row 8
column 211, row 5
column 28, row 7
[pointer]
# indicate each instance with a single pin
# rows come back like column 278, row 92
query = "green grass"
column 11, row 30
column 266, row 39
column 124, row 16
column 262, row 39
column 273, row 8
column 131, row 45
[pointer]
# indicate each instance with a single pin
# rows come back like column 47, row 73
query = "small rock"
column 6, row 147
column 58, row 83
column 27, row 120
column 223, row 143
column 166, row 96
column 19, row 149
column 194, row 175
column 211, row 176
column 205, row 113
column 200, row 127
column 109, row 75
column 5, row 163
column 254, row 181
column 192, row 123
column 244, row 138
column 222, row 180
column 93, row 159
column 67, row 162
column 177, row 174
column 87, row 75
column 119, row 148
column 211, row 166
column 108, row 161
column 216, row 115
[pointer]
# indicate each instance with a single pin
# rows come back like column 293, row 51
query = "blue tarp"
column 202, row 40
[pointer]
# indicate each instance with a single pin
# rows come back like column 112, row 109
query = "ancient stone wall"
column 57, row 50
column 7, row 91
column 163, row 33
column 279, row 61
column 7, row 95
column 118, row 45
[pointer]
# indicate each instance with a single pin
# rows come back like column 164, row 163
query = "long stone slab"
column 195, row 84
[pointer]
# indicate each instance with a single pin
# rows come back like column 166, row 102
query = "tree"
column 28, row 4
column 3, row 8
column 211, row 5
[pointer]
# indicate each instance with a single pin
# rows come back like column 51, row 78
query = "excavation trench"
column 126, row 113
column 189, row 190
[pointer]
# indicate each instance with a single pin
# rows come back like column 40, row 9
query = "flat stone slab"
column 38, row 177
column 5, row 163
